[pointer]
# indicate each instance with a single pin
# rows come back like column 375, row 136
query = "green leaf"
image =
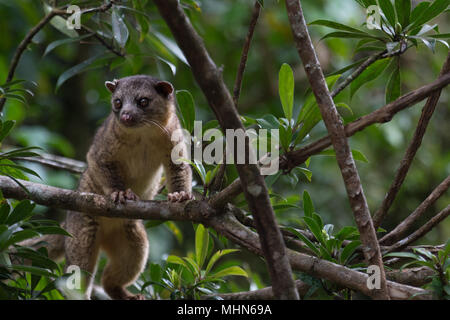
column 388, row 10
column 404, row 255
column 33, row 270
column 52, row 230
column 314, row 227
column 346, row 232
column 120, row 30
column 343, row 105
column 440, row 36
column 230, row 271
column 307, row 173
column 366, row 3
column 403, row 9
column 216, row 257
column 76, row 69
column 349, row 250
column 21, row 235
column 8, row 164
column 61, row 25
column 22, row 212
column 357, row 155
column 310, row 114
column 432, row 11
column 6, row 129
column 58, row 43
column 308, row 242
column 201, row 244
column 286, row 89
column 370, row 74
column 171, row 46
column 308, row 206
column 349, row 35
column 393, row 87
column 336, row 25
column 4, row 212
column 177, row 260
column 187, row 108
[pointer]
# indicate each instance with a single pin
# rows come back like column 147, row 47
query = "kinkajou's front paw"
column 179, row 196
column 121, row 196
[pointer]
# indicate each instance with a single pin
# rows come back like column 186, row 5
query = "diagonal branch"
column 21, row 48
column 197, row 211
column 381, row 115
column 336, row 129
column 420, row 232
column 410, row 153
column 30, row 35
column 406, row 224
column 208, row 76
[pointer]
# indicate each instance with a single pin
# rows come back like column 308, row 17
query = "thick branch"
column 406, row 224
column 231, row 228
column 99, row 205
column 410, row 153
column 210, row 81
column 337, row 133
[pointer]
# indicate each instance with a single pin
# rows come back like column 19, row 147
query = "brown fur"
column 125, row 157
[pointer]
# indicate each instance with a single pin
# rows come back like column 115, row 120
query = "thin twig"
column 245, row 49
column 419, row 232
column 337, row 133
column 21, row 48
column 30, row 35
column 406, row 224
column 367, row 63
column 411, row 151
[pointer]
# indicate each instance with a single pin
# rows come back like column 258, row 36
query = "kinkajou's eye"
column 117, row 104
column 143, row 102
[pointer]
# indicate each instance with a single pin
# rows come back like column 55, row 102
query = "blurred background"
column 62, row 120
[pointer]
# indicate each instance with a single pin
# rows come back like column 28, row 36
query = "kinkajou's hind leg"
column 83, row 247
column 127, row 251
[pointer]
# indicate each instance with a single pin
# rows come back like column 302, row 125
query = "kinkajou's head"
column 140, row 100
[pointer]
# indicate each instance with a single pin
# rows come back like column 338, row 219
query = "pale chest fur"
column 142, row 163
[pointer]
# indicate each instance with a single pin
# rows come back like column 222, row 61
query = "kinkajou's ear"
column 111, row 85
column 164, row 88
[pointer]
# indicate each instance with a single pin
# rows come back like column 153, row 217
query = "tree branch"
column 210, row 81
column 230, row 227
column 336, row 129
column 102, row 206
column 30, row 35
column 410, row 153
column 56, row 162
column 197, row 211
column 245, row 49
column 406, row 224
column 420, row 232
column 261, row 294
column 381, row 115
